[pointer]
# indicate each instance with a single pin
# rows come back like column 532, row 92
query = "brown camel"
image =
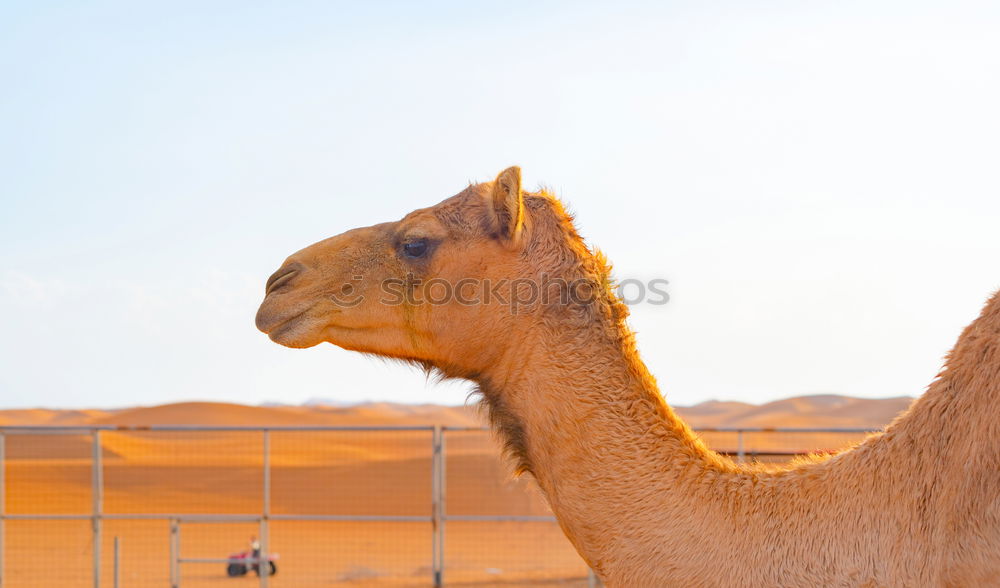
column 495, row 285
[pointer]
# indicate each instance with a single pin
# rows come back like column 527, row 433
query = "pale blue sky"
column 818, row 181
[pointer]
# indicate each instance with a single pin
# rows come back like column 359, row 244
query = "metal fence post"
column 175, row 553
column 97, row 498
column 263, row 563
column 443, row 499
column 436, row 542
column 740, row 453
column 118, row 560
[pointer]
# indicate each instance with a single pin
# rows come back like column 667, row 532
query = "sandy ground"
column 317, row 473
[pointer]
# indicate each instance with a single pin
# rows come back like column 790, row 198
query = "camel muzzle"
column 276, row 309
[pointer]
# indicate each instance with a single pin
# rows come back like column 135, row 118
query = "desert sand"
column 327, row 473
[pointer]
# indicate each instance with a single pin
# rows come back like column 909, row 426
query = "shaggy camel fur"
column 639, row 495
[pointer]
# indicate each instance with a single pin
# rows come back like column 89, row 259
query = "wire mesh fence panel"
column 197, row 472
column 511, row 553
column 782, row 446
column 351, row 472
column 50, row 474
column 144, row 553
column 229, row 546
column 351, row 553
column 778, row 446
column 479, row 481
column 351, row 506
column 48, row 553
column 725, row 442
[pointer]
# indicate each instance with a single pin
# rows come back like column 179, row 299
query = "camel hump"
column 989, row 319
column 993, row 305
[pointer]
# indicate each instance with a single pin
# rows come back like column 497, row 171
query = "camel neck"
column 587, row 420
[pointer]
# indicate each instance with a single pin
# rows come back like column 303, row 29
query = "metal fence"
column 368, row 506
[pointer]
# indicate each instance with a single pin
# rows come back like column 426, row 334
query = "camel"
column 640, row 497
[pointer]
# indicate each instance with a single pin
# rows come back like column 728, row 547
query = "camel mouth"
column 291, row 330
column 282, row 333
column 295, row 326
column 270, row 319
column 285, row 325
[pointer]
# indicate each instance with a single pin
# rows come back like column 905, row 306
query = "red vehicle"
column 244, row 562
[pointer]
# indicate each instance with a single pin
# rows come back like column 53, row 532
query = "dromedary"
column 476, row 287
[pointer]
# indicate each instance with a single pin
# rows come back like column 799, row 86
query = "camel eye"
column 415, row 249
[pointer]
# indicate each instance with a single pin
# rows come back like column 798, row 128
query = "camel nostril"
column 282, row 277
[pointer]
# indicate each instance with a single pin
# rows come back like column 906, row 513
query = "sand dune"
column 210, row 413
column 827, row 410
column 49, row 417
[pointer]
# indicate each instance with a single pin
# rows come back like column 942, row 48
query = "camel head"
column 449, row 287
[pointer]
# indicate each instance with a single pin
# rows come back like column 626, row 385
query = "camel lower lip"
column 283, row 325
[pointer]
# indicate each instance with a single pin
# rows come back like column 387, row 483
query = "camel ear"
column 508, row 205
